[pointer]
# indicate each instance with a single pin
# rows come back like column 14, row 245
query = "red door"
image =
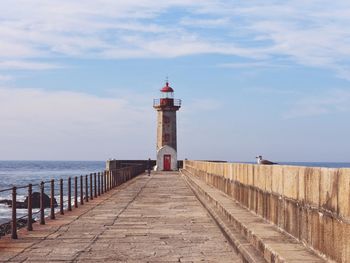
column 167, row 162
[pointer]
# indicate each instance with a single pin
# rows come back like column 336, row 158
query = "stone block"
column 241, row 173
column 268, row 178
column 314, row 228
column 250, row 174
column 327, row 240
column 346, row 243
column 245, row 174
column 329, row 189
column 338, row 241
column 301, row 184
column 251, row 197
column 281, row 212
column 344, row 192
column 260, row 203
column 303, row 225
column 259, row 177
column 235, row 171
column 277, row 179
column 228, row 171
column 290, row 181
column 312, row 186
column 273, row 208
column 291, row 220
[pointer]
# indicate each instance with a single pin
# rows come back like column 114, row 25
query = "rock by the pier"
column 36, row 200
column 6, row 202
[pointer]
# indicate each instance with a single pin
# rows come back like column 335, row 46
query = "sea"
column 21, row 173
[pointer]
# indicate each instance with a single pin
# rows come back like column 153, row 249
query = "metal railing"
column 167, row 102
column 95, row 184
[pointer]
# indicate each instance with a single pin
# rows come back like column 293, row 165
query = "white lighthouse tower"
column 166, row 108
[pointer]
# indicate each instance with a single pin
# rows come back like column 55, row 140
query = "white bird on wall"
column 260, row 160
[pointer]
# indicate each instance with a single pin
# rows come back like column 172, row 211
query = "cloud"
column 27, row 65
column 334, row 101
column 269, row 91
column 37, row 124
column 202, row 105
column 249, row 65
column 5, row 77
column 205, row 23
column 312, row 33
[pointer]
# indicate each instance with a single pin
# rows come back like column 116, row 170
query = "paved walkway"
column 148, row 219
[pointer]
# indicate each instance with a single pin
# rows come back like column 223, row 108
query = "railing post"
column 81, row 190
column 61, row 197
column 116, row 178
column 42, row 208
column 110, row 179
column 86, row 189
column 98, row 184
column 91, row 194
column 105, row 181
column 102, row 185
column 69, row 194
column 30, row 208
column 95, row 186
column 14, row 213
column 52, row 203
column 75, row 192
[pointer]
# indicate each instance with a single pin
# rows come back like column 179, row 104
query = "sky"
column 271, row 78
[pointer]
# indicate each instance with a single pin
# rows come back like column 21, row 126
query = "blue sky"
column 256, row 77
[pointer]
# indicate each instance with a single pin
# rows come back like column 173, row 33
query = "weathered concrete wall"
column 117, row 164
column 312, row 204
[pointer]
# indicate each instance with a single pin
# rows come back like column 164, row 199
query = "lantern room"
column 167, row 99
column 167, row 92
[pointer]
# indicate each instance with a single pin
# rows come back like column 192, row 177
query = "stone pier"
column 207, row 212
column 148, row 219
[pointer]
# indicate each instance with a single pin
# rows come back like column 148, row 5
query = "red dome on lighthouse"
column 167, row 88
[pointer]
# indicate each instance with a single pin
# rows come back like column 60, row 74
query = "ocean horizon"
column 21, row 173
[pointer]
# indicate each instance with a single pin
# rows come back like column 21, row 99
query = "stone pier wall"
column 311, row 204
column 117, row 164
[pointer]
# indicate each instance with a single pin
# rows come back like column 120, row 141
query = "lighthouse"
column 166, row 108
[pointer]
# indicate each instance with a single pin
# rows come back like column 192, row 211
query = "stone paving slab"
column 148, row 219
